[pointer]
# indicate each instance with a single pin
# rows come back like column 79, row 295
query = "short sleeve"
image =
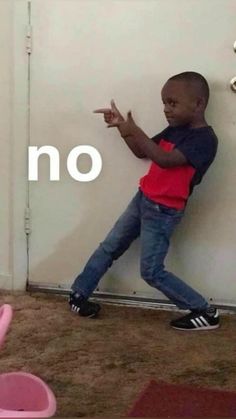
column 199, row 149
column 161, row 135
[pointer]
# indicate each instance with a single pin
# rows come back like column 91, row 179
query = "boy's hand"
column 126, row 128
column 112, row 116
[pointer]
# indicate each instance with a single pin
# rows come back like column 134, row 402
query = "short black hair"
column 195, row 78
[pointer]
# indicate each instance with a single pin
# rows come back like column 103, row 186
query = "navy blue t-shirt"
column 172, row 186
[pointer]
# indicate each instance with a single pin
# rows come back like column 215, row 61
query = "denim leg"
column 124, row 232
column 158, row 224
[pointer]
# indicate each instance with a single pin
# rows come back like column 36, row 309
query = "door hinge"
column 27, row 221
column 29, row 40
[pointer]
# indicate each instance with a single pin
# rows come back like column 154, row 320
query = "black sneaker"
column 82, row 306
column 198, row 320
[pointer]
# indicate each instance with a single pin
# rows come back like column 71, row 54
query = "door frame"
column 20, row 126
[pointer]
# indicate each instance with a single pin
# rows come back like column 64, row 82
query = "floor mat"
column 160, row 399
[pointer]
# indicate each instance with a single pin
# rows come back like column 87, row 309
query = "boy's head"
column 185, row 97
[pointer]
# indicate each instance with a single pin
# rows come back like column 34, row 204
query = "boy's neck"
column 199, row 123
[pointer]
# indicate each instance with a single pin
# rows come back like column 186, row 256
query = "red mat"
column 160, row 399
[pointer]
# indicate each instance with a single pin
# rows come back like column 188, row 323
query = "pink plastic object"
column 24, row 395
column 5, row 320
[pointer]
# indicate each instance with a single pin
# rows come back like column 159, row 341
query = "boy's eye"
column 171, row 103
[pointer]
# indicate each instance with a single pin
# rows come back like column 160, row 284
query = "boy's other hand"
column 127, row 128
column 112, row 116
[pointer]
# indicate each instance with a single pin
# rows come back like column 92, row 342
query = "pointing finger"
column 102, row 110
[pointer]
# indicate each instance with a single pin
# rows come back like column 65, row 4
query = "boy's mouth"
column 170, row 119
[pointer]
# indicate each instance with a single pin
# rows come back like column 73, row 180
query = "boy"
column 181, row 154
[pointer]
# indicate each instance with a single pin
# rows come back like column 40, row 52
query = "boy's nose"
column 166, row 109
column 167, row 113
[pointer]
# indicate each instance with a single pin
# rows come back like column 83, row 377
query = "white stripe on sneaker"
column 199, row 322
column 194, row 323
column 75, row 308
column 216, row 314
column 205, row 322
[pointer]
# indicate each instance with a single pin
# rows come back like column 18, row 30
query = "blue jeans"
column 154, row 223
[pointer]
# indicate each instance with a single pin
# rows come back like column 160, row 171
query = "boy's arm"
column 130, row 132
column 134, row 146
column 129, row 139
column 138, row 142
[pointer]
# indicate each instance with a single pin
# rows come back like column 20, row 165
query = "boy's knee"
column 152, row 275
column 111, row 249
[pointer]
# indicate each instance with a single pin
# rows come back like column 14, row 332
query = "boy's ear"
column 201, row 103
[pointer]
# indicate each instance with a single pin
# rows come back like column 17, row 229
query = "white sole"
column 197, row 329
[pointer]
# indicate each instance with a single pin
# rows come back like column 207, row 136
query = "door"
column 84, row 54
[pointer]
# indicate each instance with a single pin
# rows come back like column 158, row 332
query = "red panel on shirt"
column 169, row 186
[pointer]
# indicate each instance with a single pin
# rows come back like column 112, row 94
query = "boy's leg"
column 124, row 232
column 158, row 224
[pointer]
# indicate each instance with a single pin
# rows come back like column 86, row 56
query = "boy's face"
column 180, row 103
